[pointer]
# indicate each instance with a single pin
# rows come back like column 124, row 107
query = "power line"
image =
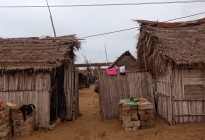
column 98, row 56
column 127, row 29
column 110, row 32
column 103, row 5
column 185, row 17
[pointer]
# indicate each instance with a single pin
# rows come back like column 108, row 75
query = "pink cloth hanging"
column 112, row 71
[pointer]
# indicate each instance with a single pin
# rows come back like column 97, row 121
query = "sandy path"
column 89, row 127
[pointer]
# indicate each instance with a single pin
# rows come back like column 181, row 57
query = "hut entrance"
column 58, row 101
column 64, row 100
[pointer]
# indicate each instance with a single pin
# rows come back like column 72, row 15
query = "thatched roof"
column 125, row 59
column 181, row 43
column 36, row 54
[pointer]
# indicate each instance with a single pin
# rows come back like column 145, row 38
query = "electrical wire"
column 127, row 29
column 103, row 5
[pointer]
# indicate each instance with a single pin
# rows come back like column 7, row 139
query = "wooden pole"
column 106, row 53
column 184, row 115
column 54, row 31
column 92, row 64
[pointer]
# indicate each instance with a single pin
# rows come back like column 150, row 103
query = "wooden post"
column 170, row 94
column 76, row 89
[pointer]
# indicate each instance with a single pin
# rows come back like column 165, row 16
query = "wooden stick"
column 189, row 115
column 54, row 31
column 189, row 100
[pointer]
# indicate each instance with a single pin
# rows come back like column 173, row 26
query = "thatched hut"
column 136, row 83
column 40, row 72
column 126, row 59
column 175, row 54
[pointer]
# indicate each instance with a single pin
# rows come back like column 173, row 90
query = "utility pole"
column 106, row 53
column 54, row 31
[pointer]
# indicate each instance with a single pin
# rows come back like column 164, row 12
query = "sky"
column 85, row 21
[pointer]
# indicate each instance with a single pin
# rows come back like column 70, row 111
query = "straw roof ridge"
column 126, row 53
column 125, row 59
column 184, row 46
column 36, row 53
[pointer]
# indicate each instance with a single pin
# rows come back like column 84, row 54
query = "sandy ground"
column 90, row 127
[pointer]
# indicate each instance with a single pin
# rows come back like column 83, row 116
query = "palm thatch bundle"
column 181, row 43
column 36, row 54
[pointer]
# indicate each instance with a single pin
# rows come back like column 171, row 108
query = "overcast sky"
column 84, row 21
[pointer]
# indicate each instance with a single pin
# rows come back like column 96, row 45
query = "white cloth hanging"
column 122, row 69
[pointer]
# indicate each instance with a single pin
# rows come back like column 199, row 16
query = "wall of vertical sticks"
column 113, row 88
column 28, row 88
column 174, row 103
column 54, row 95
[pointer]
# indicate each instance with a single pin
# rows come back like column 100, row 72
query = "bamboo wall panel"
column 194, row 84
column 178, row 86
column 69, row 89
column 114, row 88
column 186, row 108
column 194, row 73
column 140, row 85
column 189, row 111
column 172, row 105
column 76, row 93
column 22, row 81
column 194, row 92
column 25, row 88
column 41, row 100
column 164, row 95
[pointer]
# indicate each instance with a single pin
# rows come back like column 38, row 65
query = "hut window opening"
column 194, row 84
